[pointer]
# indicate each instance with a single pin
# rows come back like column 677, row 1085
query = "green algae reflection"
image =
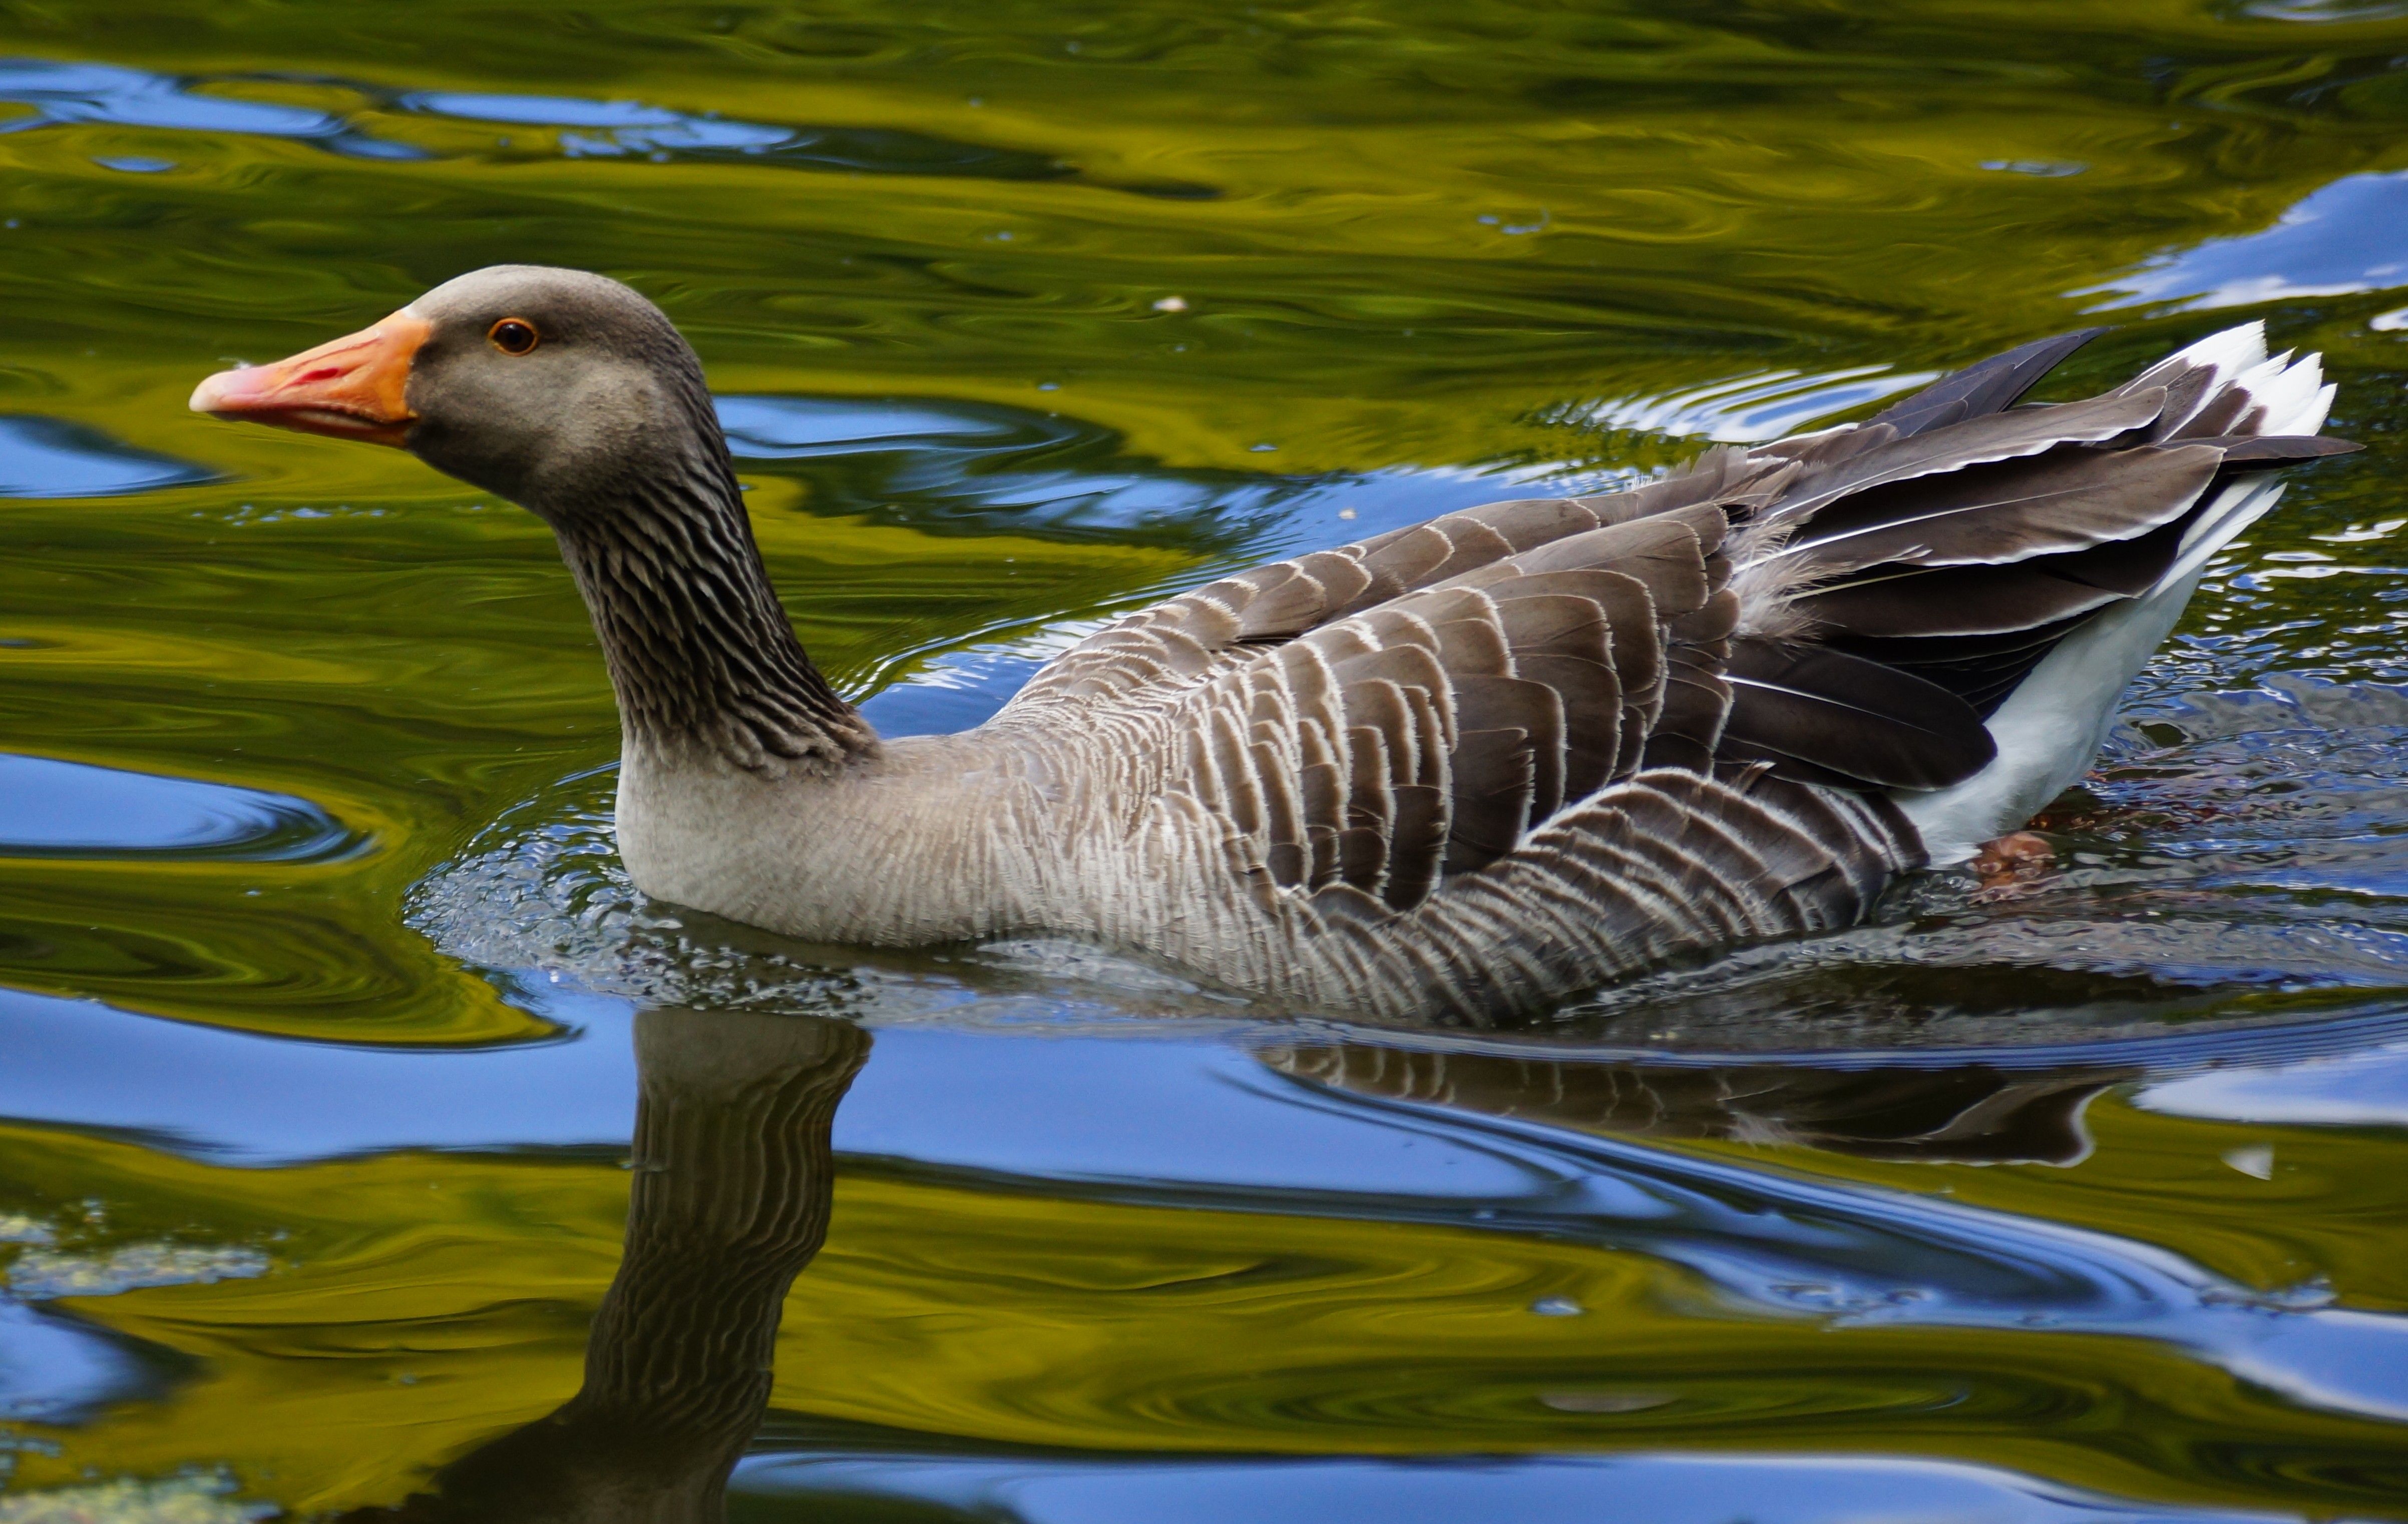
column 1022, row 314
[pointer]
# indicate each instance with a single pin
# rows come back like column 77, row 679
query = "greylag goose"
column 1454, row 772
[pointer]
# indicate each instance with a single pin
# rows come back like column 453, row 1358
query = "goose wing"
column 1365, row 725
column 1372, row 759
column 1158, row 655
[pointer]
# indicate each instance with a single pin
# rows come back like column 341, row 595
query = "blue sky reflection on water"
column 2347, row 237
column 322, row 993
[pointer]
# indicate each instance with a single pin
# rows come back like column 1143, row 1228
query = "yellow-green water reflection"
column 1020, row 314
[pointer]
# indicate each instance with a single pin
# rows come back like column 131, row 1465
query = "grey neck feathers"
column 698, row 648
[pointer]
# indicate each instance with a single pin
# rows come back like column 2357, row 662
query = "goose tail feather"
column 2106, row 606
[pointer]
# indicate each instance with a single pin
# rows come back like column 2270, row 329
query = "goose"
column 1456, row 773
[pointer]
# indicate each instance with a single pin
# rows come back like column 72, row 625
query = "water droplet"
column 1558, row 1307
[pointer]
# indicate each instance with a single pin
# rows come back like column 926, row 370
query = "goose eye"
column 513, row 335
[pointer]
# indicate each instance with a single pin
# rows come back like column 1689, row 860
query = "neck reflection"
column 733, row 1179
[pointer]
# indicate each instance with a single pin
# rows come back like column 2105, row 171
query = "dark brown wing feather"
column 1992, row 386
column 1999, row 512
column 1882, row 456
column 1143, row 657
column 1851, row 718
column 1969, row 577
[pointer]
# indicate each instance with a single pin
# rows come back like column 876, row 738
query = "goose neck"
column 705, row 666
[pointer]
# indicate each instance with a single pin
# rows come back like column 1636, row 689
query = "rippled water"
column 343, row 1073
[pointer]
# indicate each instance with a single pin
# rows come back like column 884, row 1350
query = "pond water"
column 341, row 1071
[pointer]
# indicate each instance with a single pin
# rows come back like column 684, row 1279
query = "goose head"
column 556, row 389
column 573, row 397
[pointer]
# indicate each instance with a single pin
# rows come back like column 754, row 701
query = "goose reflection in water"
column 1967, row 1111
column 732, row 1180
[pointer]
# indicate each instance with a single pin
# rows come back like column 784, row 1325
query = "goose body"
column 1454, row 772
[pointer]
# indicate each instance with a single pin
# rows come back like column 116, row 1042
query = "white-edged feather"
column 2229, row 352
column 2050, row 728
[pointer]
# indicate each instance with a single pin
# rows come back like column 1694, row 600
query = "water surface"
column 365, row 1137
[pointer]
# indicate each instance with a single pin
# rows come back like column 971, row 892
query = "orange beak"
column 350, row 387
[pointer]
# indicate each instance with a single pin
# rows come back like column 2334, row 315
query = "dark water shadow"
column 1972, row 1112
